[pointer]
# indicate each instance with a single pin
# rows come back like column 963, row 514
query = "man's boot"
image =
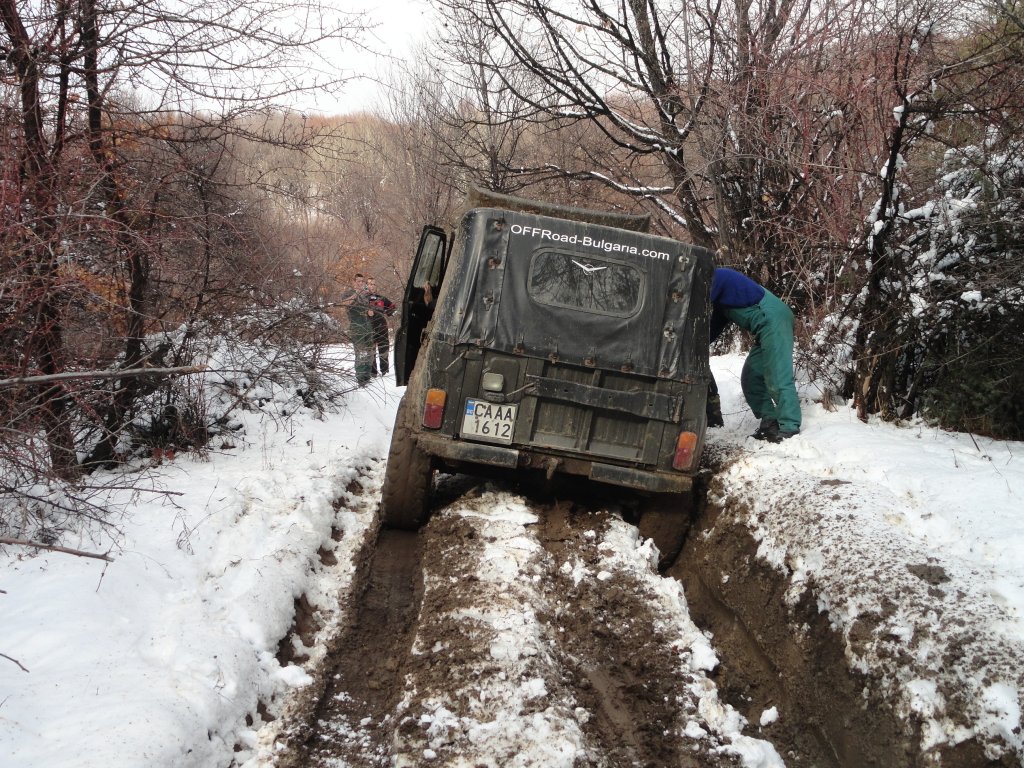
column 768, row 430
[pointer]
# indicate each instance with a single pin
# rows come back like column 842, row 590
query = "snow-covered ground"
column 159, row 658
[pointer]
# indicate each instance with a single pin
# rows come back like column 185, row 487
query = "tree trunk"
column 878, row 342
column 45, row 343
column 134, row 257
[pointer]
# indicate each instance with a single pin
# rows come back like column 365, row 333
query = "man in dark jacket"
column 767, row 377
column 382, row 308
column 360, row 327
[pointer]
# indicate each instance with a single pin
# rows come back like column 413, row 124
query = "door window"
column 430, row 260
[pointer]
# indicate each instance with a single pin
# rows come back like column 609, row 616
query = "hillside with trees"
column 865, row 161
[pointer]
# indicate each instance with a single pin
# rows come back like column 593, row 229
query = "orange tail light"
column 685, row 446
column 433, row 408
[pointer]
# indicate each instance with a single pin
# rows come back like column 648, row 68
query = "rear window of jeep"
column 581, row 282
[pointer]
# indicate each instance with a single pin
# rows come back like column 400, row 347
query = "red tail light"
column 685, row 446
column 433, row 408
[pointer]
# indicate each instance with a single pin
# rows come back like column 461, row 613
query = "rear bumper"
column 463, row 452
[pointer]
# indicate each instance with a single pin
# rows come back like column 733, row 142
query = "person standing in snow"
column 382, row 308
column 360, row 327
column 767, row 377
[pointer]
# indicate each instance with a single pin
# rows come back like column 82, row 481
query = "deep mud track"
column 506, row 635
column 355, row 716
column 518, row 632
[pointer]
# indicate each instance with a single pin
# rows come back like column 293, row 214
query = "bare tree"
column 732, row 120
column 942, row 90
column 480, row 126
column 794, row 135
column 118, row 127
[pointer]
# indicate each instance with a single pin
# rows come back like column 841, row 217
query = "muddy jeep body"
column 560, row 341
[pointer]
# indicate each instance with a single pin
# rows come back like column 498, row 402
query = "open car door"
column 419, row 299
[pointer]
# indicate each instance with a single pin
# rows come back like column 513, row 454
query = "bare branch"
column 54, row 548
column 100, row 375
column 9, row 658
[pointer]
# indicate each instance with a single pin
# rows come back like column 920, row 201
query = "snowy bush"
column 278, row 360
column 967, row 291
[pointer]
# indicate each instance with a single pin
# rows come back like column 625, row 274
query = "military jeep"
column 554, row 340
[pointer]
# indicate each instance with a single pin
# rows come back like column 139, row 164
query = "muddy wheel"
column 666, row 520
column 408, row 479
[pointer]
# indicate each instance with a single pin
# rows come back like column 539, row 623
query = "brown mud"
column 615, row 657
column 777, row 653
column 355, row 711
column 787, row 657
column 417, row 634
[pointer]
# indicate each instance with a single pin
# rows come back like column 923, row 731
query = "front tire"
column 408, row 478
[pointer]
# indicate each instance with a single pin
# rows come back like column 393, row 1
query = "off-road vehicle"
column 553, row 340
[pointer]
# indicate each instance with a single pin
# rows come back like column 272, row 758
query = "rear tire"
column 666, row 519
column 408, row 479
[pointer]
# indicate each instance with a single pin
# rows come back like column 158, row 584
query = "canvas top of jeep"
column 556, row 343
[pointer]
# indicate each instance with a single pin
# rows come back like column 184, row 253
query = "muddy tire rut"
column 356, row 712
column 501, row 635
column 618, row 659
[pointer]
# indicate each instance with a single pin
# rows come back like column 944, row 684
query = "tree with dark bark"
column 119, row 123
column 935, row 82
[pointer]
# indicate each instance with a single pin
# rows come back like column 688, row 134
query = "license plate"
column 494, row 422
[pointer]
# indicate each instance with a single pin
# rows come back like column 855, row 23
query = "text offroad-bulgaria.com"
column 587, row 242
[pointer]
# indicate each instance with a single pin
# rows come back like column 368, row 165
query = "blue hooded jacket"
column 730, row 290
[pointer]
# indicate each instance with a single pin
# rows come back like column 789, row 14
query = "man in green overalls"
column 767, row 377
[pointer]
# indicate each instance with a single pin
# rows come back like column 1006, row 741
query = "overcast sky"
column 399, row 26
